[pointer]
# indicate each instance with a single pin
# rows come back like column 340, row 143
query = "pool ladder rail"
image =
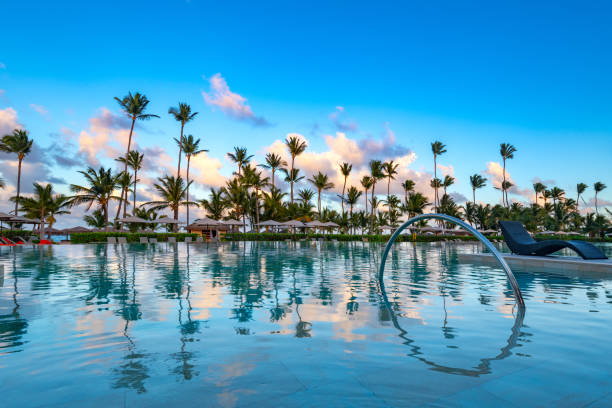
column 509, row 275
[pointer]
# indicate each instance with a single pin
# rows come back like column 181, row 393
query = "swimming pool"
column 294, row 324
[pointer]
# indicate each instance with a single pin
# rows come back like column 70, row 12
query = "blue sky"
column 471, row 74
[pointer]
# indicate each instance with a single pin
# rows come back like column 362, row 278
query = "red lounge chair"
column 7, row 242
column 44, row 242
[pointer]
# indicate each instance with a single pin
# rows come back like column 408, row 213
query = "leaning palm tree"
column 376, row 173
column 506, row 150
column 389, row 170
column 135, row 160
column 538, row 188
column 173, row 191
column 182, row 114
column 240, row 157
column 437, row 148
column 43, row 205
column 345, row 169
column 321, row 182
column 477, row 181
column 580, row 188
column 134, row 107
column 408, row 186
column 599, row 187
column 99, row 190
column 273, row 162
column 19, row 143
column 366, row 183
column 447, row 182
column 191, row 148
column 296, row 146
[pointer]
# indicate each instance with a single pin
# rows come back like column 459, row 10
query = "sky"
column 357, row 80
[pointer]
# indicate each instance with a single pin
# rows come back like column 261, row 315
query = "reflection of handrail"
column 467, row 227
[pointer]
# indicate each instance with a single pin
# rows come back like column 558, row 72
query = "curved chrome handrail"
column 467, row 227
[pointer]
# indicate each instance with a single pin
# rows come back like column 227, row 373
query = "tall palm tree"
column 182, row 114
column 477, row 181
column 389, row 170
column 437, row 148
column 366, row 183
column 599, row 187
column 416, row 204
column 447, row 182
column 505, row 186
column 134, row 107
column 191, row 148
column 173, row 191
column 376, row 173
column 43, row 205
column 99, row 190
column 273, row 162
column 435, row 183
column 19, row 143
column 538, row 188
column 321, row 182
column 580, row 188
column 256, row 180
column 296, row 146
column 408, row 186
column 546, row 195
column 506, row 150
column 215, row 205
column 236, row 197
column 345, row 169
column 557, row 194
column 124, row 182
column 135, row 160
column 292, row 176
column 240, row 157
column 352, row 198
column 305, row 195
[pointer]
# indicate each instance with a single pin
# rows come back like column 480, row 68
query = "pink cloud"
column 40, row 110
column 231, row 103
column 8, row 121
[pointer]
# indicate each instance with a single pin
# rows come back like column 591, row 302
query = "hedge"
column 267, row 236
column 10, row 234
column 91, row 237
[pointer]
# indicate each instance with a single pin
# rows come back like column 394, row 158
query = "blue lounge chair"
column 521, row 243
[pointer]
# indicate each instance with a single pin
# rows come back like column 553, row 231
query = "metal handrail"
column 467, row 227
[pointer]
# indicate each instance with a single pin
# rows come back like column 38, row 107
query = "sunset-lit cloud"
column 41, row 110
column 230, row 103
column 8, row 120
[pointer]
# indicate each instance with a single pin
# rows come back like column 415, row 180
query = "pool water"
column 294, row 324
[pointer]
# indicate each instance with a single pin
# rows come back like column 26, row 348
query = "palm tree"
column 292, row 176
column 296, row 147
column 95, row 220
column 235, row 196
column 366, row 183
column 274, row 162
column 389, row 170
column 580, row 188
column 135, row 160
column 173, row 191
column 477, row 181
column 182, row 114
column 321, row 182
column 557, row 194
column 19, row 143
column 191, row 148
column 437, row 148
column 505, row 187
column 506, row 150
column 345, row 169
column 43, row 205
column 599, row 186
column 377, row 174
column 539, row 188
column 240, row 157
column 416, row 204
column 255, row 179
column 305, row 195
column 546, row 195
column 134, row 107
column 447, row 182
column 101, row 185
column 124, row 182
column 352, row 198
column 215, row 205
column 408, row 186
column 435, row 183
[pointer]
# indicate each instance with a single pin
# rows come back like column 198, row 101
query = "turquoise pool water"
column 294, row 324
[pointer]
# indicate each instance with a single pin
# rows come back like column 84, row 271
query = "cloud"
column 496, row 176
column 40, row 110
column 336, row 118
column 231, row 103
column 108, row 133
column 2, row 65
column 548, row 182
column 384, row 148
column 8, row 121
column 458, row 197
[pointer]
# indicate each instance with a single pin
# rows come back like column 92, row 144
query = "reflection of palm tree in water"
column 302, row 328
column 484, row 367
column 13, row 328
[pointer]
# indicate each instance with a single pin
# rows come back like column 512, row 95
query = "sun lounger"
column 25, row 241
column 188, row 239
column 122, row 240
column 111, row 240
column 172, row 240
column 152, row 240
column 521, row 243
column 144, row 240
column 7, row 242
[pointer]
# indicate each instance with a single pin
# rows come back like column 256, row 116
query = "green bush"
column 11, row 234
column 90, row 237
column 268, row 236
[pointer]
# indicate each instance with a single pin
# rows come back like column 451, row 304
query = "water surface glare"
column 294, row 324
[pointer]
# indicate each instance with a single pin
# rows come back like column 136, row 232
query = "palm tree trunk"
column 257, row 207
column 372, row 208
column 273, row 171
column 292, row 160
column 188, row 162
column 18, row 186
column 474, row 195
column 596, row 209
column 178, row 171
column 135, row 180
column 504, row 183
column 127, row 154
column 106, row 216
column 435, row 188
column 366, row 200
column 343, row 188
column 175, row 226
column 125, row 202
column 319, row 204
